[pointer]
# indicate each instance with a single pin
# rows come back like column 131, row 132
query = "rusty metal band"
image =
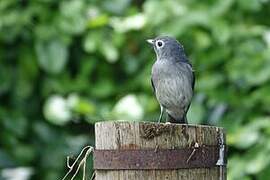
column 161, row 159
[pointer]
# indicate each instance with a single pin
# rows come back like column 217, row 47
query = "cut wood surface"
column 119, row 135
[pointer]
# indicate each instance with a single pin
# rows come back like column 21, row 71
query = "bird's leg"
column 167, row 122
column 162, row 110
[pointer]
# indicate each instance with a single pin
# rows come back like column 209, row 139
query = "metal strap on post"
column 157, row 159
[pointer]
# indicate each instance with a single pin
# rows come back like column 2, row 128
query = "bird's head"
column 168, row 48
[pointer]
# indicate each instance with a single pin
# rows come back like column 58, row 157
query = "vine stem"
column 88, row 150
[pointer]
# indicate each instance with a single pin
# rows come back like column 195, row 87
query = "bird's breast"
column 172, row 85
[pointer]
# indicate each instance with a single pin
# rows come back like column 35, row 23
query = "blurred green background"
column 67, row 64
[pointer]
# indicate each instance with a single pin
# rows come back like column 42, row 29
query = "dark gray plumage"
column 172, row 78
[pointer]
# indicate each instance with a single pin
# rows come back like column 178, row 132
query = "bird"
column 172, row 79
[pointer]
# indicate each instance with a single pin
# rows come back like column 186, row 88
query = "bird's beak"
column 150, row 41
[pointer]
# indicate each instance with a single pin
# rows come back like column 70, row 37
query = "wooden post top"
column 154, row 123
column 150, row 134
column 122, row 136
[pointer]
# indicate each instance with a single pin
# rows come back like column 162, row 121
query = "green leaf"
column 98, row 21
column 249, row 134
column 128, row 108
column 80, row 105
column 135, row 22
column 115, row 6
column 52, row 55
column 73, row 17
column 246, row 137
column 57, row 111
column 196, row 113
column 109, row 51
column 252, row 5
column 92, row 41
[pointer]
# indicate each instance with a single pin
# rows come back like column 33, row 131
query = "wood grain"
column 144, row 135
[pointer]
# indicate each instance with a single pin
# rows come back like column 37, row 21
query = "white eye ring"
column 159, row 44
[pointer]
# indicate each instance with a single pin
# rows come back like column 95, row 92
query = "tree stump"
column 166, row 140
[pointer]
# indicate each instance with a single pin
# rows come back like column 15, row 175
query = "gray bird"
column 172, row 78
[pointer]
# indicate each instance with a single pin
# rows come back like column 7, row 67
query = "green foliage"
column 66, row 64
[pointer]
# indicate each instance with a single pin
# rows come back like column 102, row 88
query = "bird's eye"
column 159, row 43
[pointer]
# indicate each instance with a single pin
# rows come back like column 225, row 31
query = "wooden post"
column 120, row 135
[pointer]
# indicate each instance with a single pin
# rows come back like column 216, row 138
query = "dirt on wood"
column 151, row 130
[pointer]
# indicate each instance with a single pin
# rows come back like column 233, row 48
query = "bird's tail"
column 179, row 121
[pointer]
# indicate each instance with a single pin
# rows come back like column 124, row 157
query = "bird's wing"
column 193, row 79
column 192, row 86
column 192, row 75
column 153, row 86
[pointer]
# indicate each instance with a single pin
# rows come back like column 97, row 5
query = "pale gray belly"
column 174, row 93
column 173, row 86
